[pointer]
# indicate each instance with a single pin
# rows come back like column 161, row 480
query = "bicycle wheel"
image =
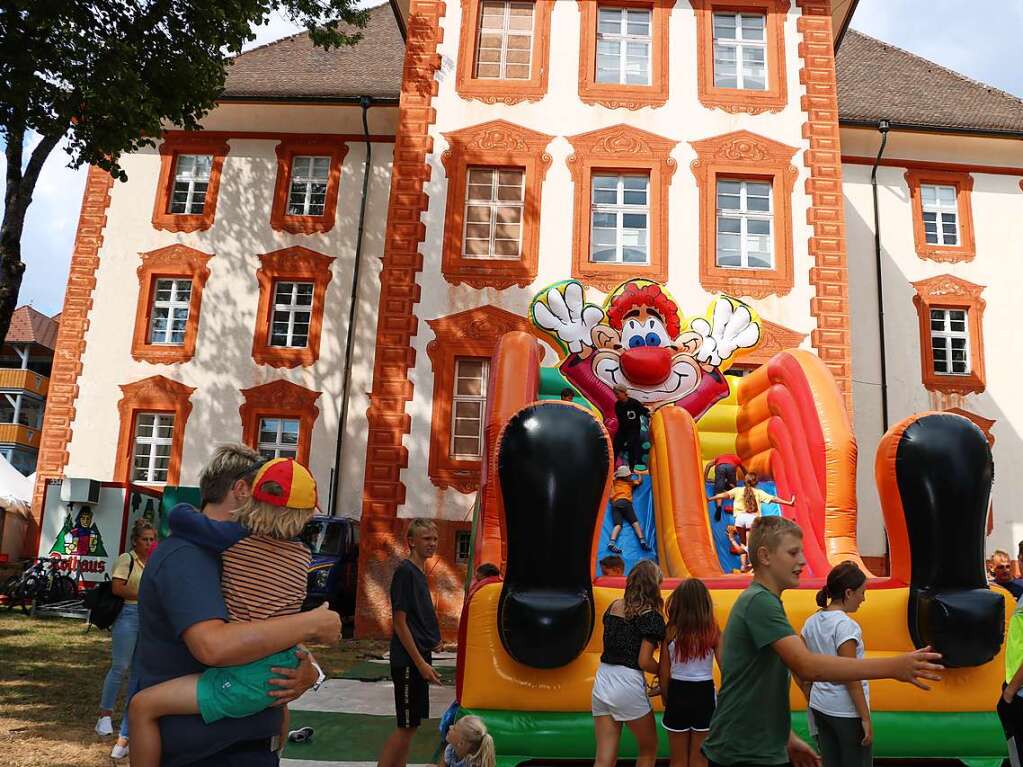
column 28, row 592
column 10, row 590
column 62, row 589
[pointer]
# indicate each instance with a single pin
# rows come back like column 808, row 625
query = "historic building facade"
column 514, row 144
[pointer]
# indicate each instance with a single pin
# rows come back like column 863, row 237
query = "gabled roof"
column 880, row 81
column 31, row 327
column 294, row 69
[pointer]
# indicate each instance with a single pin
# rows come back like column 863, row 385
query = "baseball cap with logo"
column 285, row 482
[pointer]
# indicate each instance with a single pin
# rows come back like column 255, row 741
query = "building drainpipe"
column 882, row 126
column 335, row 473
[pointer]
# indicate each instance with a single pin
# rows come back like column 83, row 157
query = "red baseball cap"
column 285, row 482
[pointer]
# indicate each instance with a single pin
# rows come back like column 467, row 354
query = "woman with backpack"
column 124, row 583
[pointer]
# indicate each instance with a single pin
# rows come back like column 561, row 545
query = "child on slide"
column 264, row 576
column 622, row 509
column 747, row 500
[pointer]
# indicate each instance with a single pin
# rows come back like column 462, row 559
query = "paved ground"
column 353, row 716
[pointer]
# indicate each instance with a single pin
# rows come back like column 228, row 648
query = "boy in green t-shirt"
column 1010, row 705
column 752, row 724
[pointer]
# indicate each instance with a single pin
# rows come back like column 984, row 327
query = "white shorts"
column 620, row 692
column 745, row 520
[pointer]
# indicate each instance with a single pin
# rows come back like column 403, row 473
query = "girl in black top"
column 633, row 629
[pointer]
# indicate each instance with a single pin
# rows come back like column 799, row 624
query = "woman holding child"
column 633, row 630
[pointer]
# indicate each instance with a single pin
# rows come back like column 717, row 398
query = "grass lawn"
column 51, row 672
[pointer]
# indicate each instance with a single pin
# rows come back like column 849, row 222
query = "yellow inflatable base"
column 493, row 680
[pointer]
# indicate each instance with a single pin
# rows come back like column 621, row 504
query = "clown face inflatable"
column 638, row 340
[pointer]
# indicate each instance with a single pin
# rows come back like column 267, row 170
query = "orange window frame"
column 495, row 144
column 172, row 262
column 287, row 150
column 746, row 156
column 620, row 95
column 490, row 90
column 775, row 97
column 621, row 149
column 966, row 250
column 472, row 333
column 948, row 292
column 155, row 394
column 177, row 143
column 294, row 264
column 280, row 399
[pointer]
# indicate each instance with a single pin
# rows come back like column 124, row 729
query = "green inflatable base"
column 975, row 738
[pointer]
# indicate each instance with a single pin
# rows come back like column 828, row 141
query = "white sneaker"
column 104, row 726
column 119, row 751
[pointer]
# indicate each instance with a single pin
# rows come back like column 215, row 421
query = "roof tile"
column 880, row 81
column 31, row 326
column 294, row 68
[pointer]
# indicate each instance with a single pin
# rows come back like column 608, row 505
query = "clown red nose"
column 647, row 365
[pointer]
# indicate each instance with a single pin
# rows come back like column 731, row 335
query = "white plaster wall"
column 561, row 113
column 998, row 224
column 223, row 363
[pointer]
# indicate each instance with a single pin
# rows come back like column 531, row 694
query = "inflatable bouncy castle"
column 530, row 643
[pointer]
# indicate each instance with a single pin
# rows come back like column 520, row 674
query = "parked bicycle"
column 40, row 583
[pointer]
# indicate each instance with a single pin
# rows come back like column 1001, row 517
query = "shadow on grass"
column 50, row 679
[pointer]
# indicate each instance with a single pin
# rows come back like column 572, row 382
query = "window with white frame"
column 620, row 219
column 941, row 214
column 293, row 307
column 278, row 437
column 950, row 341
column 744, row 224
column 307, row 193
column 494, row 199
column 624, row 43
column 504, row 44
column 191, row 180
column 169, row 315
column 740, row 51
column 468, row 406
column 154, row 435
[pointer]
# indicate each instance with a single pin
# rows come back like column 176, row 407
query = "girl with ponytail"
column 746, row 502
column 469, row 744
column 840, row 713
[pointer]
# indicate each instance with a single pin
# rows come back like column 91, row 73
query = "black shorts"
column 622, row 511
column 690, row 706
column 411, row 696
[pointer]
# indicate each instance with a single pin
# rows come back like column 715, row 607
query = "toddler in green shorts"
column 264, row 572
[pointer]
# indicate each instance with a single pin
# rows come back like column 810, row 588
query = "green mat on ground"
column 356, row 737
column 372, row 671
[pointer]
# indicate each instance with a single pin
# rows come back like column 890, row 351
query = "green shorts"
column 238, row 691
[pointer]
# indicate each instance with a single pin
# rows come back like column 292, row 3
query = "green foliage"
column 110, row 73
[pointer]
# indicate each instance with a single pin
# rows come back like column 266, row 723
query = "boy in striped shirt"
column 263, row 576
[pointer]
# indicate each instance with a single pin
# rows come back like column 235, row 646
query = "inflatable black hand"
column 943, row 473
column 553, row 462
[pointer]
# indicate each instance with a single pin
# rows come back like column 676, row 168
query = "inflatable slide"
column 530, row 642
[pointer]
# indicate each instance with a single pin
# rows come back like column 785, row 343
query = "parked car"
column 334, row 543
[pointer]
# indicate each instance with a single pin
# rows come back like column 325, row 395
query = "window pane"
column 724, row 26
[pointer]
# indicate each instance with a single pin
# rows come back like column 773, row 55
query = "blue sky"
column 984, row 46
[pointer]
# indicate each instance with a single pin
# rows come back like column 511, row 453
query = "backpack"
column 104, row 605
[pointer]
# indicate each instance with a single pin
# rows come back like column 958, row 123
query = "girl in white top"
column 840, row 712
column 691, row 644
